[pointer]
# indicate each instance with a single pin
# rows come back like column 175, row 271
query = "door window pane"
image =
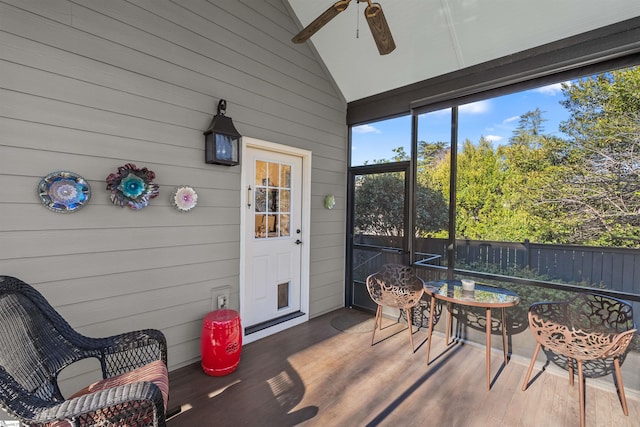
column 272, row 200
column 285, row 200
column 274, row 175
column 285, row 176
column 261, row 173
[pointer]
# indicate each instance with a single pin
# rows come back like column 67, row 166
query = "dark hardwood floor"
column 326, row 373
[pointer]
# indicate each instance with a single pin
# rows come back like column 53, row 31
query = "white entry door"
column 273, row 238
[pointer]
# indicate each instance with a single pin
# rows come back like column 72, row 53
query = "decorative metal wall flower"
column 184, row 198
column 132, row 187
column 64, row 191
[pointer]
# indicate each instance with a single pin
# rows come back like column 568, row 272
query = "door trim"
column 248, row 142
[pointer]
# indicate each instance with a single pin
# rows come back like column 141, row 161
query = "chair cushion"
column 154, row 372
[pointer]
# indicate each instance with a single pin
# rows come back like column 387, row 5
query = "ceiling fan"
column 373, row 14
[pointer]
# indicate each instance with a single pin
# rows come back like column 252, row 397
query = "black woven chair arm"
column 134, row 340
column 125, row 352
column 23, row 404
column 122, row 405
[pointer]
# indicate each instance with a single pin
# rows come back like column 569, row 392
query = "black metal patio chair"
column 36, row 344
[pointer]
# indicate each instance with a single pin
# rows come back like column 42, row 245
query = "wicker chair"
column 395, row 286
column 36, row 343
column 589, row 328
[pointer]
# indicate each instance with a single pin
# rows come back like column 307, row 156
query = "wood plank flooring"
column 326, row 373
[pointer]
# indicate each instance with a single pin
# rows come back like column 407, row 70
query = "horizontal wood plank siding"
column 89, row 85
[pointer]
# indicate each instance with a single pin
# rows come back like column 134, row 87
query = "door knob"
column 298, row 242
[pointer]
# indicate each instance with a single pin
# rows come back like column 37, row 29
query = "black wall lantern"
column 222, row 140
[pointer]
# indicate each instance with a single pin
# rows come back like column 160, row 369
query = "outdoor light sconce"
column 222, row 140
column 329, row 201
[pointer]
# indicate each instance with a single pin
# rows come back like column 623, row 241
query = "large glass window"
column 547, row 183
column 381, row 142
column 507, row 149
column 432, row 187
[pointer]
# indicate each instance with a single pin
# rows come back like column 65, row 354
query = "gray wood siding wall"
column 90, row 85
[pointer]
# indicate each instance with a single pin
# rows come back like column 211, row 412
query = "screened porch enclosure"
column 537, row 186
column 517, row 189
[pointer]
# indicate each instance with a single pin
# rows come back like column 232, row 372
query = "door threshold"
column 269, row 323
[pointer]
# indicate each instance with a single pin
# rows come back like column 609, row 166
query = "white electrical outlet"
column 220, row 297
column 222, row 301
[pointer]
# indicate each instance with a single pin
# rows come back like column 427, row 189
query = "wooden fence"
column 616, row 269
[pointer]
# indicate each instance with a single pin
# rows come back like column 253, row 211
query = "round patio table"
column 488, row 297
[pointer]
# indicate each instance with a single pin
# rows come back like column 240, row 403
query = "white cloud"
column 550, row 90
column 511, row 119
column 493, row 138
column 479, row 107
column 366, row 129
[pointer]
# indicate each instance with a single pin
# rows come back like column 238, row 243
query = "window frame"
column 604, row 49
column 613, row 46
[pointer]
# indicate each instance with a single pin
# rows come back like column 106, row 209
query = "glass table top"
column 482, row 295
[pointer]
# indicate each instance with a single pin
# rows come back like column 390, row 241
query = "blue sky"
column 495, row 119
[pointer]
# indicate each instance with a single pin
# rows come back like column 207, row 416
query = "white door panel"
column 272, row 236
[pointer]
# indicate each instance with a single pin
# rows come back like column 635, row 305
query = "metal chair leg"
column 623, row 398
column 410, row 325
column 581, row 391
column 431, row 309
column 378, row 323
column 533, row 361
column 570, row 361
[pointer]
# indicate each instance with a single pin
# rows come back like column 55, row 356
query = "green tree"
column 532, row 163
column 479, row 191
column 379, row 206
column 602, row 188
column 430, row 153
column 530, row 129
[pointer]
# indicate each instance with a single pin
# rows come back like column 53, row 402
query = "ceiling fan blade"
column 379, row 28
column 320, row 21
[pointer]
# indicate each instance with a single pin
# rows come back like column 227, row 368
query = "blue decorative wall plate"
column 64, row 191
column 132, row 186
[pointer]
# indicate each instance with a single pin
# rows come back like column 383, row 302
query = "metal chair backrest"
column 395, row 285
column 595, row 312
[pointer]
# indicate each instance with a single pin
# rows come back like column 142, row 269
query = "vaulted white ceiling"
column 435, row 37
